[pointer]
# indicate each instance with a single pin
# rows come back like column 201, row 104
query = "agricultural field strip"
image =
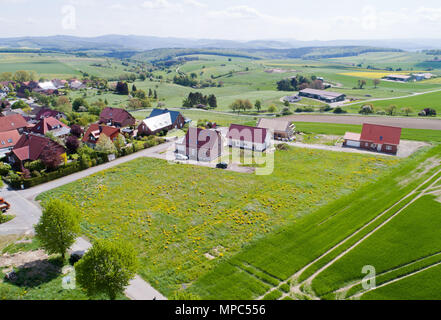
column 309, row 280
column 385, row 273
column 397, row 279
column 393, row 98
column 421, row 194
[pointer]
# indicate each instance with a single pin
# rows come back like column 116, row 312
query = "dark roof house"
column 116, row 117
column 94, row 132
column 13, row 122
column 52, row 125
column 201, row 145
column 33, row 147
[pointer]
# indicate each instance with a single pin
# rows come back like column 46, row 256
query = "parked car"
column 181, row 157
column 222, row 165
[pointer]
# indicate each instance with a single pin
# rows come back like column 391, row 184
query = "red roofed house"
column 375, row 138
column 51, row 125
column 8, row 140
column 13, row 122
column 94, row 132
column 251, row 138
column 47, row 113
column 201, row 145
column 116, row 117
column 33, row 147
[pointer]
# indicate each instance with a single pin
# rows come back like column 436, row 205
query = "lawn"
column 185, row 220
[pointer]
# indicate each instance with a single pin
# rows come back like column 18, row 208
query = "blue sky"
column 225, row 19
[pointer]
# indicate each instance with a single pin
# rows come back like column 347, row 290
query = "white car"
column 181, row 157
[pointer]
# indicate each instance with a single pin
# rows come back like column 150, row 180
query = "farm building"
column 13, row 122
column 33, row 147
column 116, row 117
column 398, row 77
column 201, row 145
column 283, row 130
column 177, row 119
column 51, row 125
column 251, row 138
column 156, row 124
column 8, row 140
column 94, row 132
column 323, row 95
column 375, row 138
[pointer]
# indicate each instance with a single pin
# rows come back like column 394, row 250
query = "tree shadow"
column 36, row 273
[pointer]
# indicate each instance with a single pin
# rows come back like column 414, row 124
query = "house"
column 32, row 147
column 116, row 117
column 77, row 85
column 8, row 140
column 251, row 138
column 156, row 124
column 59, row 84
column 201, row 145
column 13, row 122
column 323, row 95
column 398, row 77
column 94, row 132
column 177, row 119
column 283, row 130
column 375, row 138
column 49, row 113
column 51, row 125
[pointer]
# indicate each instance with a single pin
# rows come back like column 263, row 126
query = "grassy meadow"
column 185, row 220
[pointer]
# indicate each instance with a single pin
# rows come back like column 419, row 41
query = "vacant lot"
column 185, row 220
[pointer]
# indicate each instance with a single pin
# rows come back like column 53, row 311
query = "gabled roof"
column 158, row 122
column 46, row 113
column 116, row 114
column 31, row 147
column 381, row 134
column 352, row 136
column 96, row 130
column 8, row 139
column 323, row 93
column 12, row 122
column 246, row 133
column 197, row 138
column 173, row 114
column 274, row 124
column 50, row 124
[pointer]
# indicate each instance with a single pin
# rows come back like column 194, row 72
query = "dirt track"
column 410, row 123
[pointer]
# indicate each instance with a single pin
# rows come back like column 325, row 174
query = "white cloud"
column 195, row 3
column 158, row 4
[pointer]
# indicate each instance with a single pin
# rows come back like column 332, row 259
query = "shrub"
column 4, row 169
column 339, row 110
column 282, row 147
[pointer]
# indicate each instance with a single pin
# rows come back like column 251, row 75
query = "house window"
column 3, row 143
column 10, row 140
column 388, row 148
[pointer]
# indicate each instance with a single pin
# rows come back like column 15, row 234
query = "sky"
column 224, row 19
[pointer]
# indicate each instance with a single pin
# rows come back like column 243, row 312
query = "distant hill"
column 144, row 43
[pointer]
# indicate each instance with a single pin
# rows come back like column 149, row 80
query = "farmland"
column 176, row 223
column 317, row 239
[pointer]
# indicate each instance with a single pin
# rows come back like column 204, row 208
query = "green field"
column 182, row 213
column 281, row 255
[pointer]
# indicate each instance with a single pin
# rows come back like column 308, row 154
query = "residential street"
column 27, row 213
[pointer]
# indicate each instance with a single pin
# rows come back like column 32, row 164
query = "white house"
column 251, row 138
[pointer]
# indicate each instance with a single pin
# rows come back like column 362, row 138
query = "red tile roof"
column 100, row 129
column 116, row 115
column 31, row 147
column 245, row 133
column 197, row 138
column 381, row 134
column 8, row 139
column 12, row 122
column 47, row 124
